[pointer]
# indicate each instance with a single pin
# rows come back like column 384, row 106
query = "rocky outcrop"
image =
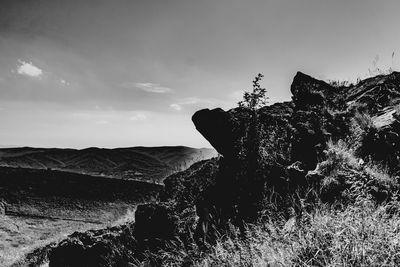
column 217, row 127
column 308, row 91
column 267, row 167
column 290, row 139
column 376, row 93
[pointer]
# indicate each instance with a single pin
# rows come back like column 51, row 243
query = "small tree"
column 252, row 177
column 257, row 98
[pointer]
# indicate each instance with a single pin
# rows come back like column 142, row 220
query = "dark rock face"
column 308, row 91
column 217, row 125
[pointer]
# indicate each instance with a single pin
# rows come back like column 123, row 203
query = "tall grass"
column 361, row 235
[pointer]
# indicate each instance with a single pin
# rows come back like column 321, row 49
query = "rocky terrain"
column 310, row 182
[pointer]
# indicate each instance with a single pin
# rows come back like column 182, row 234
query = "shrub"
column 257, row 98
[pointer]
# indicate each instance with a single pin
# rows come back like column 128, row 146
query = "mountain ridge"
column 149, row 163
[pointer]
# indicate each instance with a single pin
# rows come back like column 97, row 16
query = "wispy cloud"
column 176, row 106
column 28, row 69
column 148, row 87
column 191, row 101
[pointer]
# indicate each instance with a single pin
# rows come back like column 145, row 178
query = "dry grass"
column 363, row 234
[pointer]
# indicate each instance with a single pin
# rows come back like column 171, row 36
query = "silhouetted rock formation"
column 217, row 127
column 308, row 91
column 290, row 139
column 270, row 159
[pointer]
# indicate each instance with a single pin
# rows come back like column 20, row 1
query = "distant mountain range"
column 139, row 163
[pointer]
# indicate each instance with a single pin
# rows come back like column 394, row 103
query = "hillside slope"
column 142, row 163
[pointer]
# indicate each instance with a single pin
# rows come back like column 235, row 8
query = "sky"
column 121, row 73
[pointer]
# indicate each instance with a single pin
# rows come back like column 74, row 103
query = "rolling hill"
column 139, row 163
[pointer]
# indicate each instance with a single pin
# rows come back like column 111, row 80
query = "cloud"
column 191, row 101
column 28, row 69
column 176, row 106
column 64, row 82
column 148, row 87
column 138, row 117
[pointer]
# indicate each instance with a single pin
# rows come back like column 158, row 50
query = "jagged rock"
column 308, row 91
column 376, row 93
column 217, row 127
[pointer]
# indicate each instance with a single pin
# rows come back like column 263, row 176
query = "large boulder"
column 216, row 126
column 308, row 91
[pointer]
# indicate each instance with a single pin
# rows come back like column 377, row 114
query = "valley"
column 47, row 194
